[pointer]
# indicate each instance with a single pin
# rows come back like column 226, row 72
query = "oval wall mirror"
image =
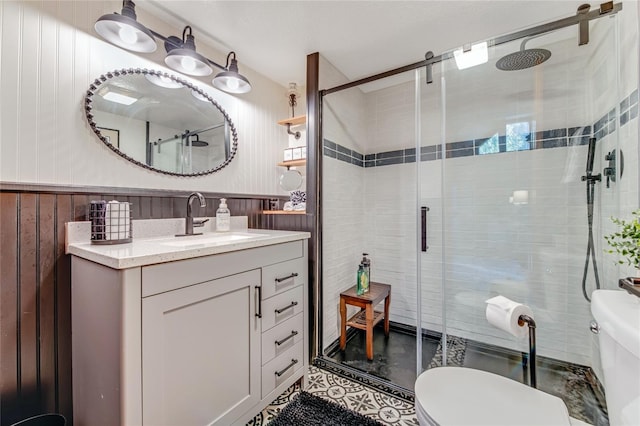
column 161, row 122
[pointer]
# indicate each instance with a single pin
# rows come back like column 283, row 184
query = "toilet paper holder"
column 522, row 320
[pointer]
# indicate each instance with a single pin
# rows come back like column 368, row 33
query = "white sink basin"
column 207, row 239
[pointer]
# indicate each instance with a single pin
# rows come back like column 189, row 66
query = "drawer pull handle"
column 293, row 275
column 281, row 372
column 280, row 342
column 259, row 302
column 281, row 310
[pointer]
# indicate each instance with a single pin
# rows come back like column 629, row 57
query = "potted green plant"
column 626, row 242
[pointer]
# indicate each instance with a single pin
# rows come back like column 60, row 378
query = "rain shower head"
column 525, row 58
column 197, row 142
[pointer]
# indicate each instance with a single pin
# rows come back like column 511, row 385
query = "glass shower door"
column 431, row 343
column 516, row 196
column 370, row 205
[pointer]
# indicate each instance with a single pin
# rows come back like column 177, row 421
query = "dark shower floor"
column 395, row 361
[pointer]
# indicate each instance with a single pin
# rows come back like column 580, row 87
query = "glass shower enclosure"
column 465, row 183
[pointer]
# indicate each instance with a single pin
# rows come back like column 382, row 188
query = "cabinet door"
column 201, row 352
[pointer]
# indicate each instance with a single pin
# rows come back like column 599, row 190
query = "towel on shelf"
column 117, row 220
column 298, row 197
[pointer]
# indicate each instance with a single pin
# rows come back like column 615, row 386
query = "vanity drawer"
column 283, row 276
column 282, row 337
column 169, row 276
column 286, row 365
column 281, row 307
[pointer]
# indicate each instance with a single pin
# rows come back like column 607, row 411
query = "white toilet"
column 618, row 316
column 464, row 396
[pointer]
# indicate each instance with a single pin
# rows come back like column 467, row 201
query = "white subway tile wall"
column 343, row 237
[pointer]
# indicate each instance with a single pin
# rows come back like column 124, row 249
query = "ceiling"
column 360, row 38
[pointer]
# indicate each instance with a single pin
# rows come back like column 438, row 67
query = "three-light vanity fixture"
column 125, row 31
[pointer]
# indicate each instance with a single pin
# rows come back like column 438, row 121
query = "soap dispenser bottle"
column 367, row 265
column 223, row 217
column 362, row 283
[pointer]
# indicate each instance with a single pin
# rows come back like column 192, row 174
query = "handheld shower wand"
column 591, row 180
column 591, row 155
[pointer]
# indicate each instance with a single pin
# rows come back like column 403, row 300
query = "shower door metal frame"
column 604, row 10
column 314, row 130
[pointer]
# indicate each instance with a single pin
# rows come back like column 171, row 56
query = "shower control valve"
column 610, row 170
column 610, row 173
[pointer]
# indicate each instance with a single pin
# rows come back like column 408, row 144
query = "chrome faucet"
column 189, row 223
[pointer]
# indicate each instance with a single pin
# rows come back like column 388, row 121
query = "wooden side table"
column 367, row 318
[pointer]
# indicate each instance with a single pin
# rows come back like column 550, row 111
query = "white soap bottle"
column 223, row 217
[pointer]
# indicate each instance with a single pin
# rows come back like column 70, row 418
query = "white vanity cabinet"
column 208, row 340
column 200, row 345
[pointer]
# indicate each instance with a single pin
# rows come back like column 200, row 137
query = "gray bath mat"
column 310, row 410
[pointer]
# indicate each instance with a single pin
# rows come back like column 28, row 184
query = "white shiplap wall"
column 48, row 57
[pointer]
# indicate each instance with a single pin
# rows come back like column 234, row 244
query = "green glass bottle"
column 366, row 263
column 362, row 285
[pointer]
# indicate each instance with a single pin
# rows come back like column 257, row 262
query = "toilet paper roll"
column 503, row 313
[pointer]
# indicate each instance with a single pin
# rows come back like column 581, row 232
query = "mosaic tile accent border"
column 334, row 150
column 554, row 138
column 382, row 407
column 629, row 108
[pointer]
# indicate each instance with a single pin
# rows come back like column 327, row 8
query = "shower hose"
column 590, row 246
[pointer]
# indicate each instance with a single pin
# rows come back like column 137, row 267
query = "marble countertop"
column 164, row 247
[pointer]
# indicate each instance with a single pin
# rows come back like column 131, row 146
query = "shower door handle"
column 423, row 226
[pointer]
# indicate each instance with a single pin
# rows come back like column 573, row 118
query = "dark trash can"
column 43, row 420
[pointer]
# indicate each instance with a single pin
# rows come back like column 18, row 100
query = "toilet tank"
column 618, row 316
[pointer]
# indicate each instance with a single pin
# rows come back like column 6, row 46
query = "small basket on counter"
column 110, row 222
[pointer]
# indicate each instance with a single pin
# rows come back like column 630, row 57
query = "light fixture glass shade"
column 188, row 61
column 231, row 82
column 163, row 81
column 125, row 32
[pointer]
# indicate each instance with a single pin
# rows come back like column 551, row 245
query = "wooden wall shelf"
column 293, row 121
column 293, row 163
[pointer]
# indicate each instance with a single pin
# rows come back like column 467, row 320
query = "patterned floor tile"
column 347, row 393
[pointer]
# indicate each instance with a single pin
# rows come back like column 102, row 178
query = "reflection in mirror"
column 291, row 180
column 163, row 122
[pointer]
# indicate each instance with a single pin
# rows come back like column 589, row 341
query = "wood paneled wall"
column 35, row 284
